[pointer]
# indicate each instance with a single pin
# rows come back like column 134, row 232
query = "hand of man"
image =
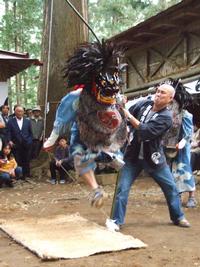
column 181, row 144
column 58, row 163
column 194, row 144
column 133, row 121
column 127, row 113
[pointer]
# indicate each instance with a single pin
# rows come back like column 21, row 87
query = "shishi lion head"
column 97, row 67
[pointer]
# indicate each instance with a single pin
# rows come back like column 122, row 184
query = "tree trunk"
column 17, row 49
column 66, row 32
column 25, row 89
column 6, row 13
column 17, row 90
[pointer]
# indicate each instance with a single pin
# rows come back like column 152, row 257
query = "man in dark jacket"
column 20, row 138
column 3, row 123
column 150, row 120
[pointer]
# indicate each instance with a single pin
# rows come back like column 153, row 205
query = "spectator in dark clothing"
column 4, row 112
column 61, row 162
column 13, row 114
column 3, row 124
column 20, row 138
column 28, row 113
column 37, row 125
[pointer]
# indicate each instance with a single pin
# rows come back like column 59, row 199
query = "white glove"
column 48, row 144
column 181, row 144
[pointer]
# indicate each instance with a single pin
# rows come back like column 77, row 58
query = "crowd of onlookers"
column 21, row 138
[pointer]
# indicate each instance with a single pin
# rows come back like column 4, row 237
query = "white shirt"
column 19, row 122
column 1, row 120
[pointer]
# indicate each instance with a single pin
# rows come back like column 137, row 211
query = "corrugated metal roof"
column 12, row 63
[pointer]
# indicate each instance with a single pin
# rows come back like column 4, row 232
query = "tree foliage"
column 109, row 17
column 21, row 27
column 20, row 31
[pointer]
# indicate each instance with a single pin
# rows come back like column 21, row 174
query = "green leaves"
column 21, row 27
column 21, row 31
column 109, row 17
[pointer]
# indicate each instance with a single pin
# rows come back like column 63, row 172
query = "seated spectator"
column 9, row 171
column 61, row 162
column 195, row 150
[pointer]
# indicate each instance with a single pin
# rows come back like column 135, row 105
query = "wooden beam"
column 170, row 52
column 185, row 74
column 147, row 63
column 195, row 60
column 192, row 13
column 140, row 34
column 132, row 64
column 185, row 49
column 165, row 25
column 185, row 14
column 195, row 34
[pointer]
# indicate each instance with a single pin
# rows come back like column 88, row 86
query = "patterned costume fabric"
column 91, row 113
column 181, row 167
column 171, row 137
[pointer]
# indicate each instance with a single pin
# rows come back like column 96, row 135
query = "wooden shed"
column 11, row 63
column 165, row 45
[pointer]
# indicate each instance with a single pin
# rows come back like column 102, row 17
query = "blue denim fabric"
column 18, row 172
column 163, row 178
column 66, row 112
column 6, row 178
column 77, row 147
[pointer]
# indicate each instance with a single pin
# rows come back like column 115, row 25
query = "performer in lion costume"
column 93, row 111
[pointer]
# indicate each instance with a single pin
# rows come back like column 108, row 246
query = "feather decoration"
column 91, row 59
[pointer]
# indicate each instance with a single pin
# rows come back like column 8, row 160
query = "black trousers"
column 195, row 161
column 36, row 147
column 22, row 153
column 60, row 170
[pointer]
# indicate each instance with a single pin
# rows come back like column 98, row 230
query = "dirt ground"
column 147, row 219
